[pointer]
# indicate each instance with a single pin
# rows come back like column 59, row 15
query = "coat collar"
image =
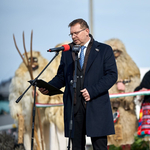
column 94, row 50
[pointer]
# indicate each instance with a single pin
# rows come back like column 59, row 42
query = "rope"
column 147, row 92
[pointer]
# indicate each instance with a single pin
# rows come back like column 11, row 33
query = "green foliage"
column 112, row 147
column 139, row 144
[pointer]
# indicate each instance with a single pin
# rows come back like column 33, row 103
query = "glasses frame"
column 76, row 33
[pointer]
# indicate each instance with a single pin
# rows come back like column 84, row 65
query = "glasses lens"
column 75, row 33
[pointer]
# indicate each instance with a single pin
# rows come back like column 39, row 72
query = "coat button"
column 71, row 81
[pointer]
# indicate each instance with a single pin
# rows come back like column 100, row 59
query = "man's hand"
column 143, row 89
column 44, row 91
column 85, row 94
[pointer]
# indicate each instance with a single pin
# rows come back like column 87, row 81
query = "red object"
column 66, row 47
column 116, row 115
column 63, row 48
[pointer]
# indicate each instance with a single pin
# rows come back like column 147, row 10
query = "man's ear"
column 87, row 30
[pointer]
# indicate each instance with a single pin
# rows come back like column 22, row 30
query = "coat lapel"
column 92, row 56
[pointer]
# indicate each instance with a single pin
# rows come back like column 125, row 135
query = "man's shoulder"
column 102, row 45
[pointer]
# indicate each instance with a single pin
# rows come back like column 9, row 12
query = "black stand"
column 75, row 49
column 34, row 83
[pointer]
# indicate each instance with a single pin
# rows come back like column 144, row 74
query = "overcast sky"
column 127, row 20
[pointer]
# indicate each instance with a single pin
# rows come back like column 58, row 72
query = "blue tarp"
column 4, row 106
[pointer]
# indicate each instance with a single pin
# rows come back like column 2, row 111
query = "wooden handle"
column 20, row 129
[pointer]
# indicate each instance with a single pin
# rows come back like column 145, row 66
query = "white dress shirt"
column 86, row 45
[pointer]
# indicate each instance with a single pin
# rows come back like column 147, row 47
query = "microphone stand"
column 75, row 49
column 34, row 83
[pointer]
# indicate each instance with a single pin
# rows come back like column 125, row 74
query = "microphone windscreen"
column 66, row 47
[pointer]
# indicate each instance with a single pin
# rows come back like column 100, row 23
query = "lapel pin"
column 97, row 49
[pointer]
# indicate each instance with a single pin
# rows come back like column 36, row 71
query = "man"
column 95, row 75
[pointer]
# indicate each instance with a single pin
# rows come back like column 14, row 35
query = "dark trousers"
column 79, row 141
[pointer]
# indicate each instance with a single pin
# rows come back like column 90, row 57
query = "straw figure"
column 48, row 127
column 123, row 108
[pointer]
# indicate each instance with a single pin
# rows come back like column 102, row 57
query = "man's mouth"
column 75, row 41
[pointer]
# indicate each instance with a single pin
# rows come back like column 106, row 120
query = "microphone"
column 76, row 48
column 63, row 48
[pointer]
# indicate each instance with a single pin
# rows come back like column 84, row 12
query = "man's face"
column 79, row 35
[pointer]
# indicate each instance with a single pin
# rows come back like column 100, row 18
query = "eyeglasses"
column 76, row 33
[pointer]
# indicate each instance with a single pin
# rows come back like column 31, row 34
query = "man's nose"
column 73, row 35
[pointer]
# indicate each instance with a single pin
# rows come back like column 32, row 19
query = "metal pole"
column 91, row 16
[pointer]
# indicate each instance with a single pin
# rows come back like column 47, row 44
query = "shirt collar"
column 87, row 43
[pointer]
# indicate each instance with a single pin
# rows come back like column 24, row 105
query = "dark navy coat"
column 100, row 75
